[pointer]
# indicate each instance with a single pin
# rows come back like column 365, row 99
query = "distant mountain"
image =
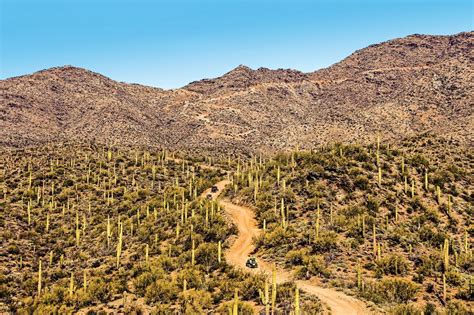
column 399, row 88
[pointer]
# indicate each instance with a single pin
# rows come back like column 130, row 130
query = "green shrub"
column 392, row 264
column 160, row 291
column 390, row 290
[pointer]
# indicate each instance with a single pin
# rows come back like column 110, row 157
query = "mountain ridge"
column 401, row 87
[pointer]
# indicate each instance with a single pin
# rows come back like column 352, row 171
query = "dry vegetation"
column 391, row 224
column 94, row 229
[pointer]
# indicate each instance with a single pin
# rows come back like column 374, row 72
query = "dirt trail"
column 243, row 217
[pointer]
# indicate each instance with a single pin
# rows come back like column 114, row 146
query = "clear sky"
column 171, row 43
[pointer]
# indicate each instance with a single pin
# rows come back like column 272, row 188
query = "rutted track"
column 243, row 217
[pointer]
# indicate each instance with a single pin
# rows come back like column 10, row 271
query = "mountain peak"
column 243, row 77
column 70, row 71
column 241, row 68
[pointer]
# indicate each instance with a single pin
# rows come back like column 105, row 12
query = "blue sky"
column 171, row 43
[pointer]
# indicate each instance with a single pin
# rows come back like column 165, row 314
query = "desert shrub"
column 405, row 309
column 68, row 183
column 434, row 238
column 362, row 156
column 296, row 257
column 361, row 182
column 326, row 242
column 244, row 308
column 99, row 290
column 418, row 161
column 143, row 281
column 206, row 255
column 390, row 290
column 458, row 308
column 161, row 290
column 442, row 177
column 194, row 301
column 277, row 237
column 372, row 205
column 454, row 278
column 249, row 287
column 194, row 278
column 392, row 264
column 311, row 306
column 316, row 266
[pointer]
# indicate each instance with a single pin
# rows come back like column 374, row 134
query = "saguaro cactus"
column 235, row 310
column 283, row 220
column 359, row 277
column 446, row 254
column 317, row 223
column 146, row 255
column 47, row 222
column 297, row 301
column 85, row 280
column 219, row 252
column 438, row 194
column 108, row 231
column 193, row 253
column 374, row 240
column 40, row 274
column 71, row 285
column 29, row 212
column 78, row 232
column 274, row 289
column 426, row 180
column 264, row 297
column 444, row 288
column 278, row 175
column 119, row 244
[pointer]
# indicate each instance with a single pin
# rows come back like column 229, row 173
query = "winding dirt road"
column 338, row 302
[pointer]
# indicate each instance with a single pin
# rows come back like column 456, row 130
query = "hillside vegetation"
column 90, row 229
column 391, row 224
column 94, row 229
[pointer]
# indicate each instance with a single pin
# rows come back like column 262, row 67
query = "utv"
column 251, row 262
column 214, row 189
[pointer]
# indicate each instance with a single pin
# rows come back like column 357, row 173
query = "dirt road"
column 243, row 217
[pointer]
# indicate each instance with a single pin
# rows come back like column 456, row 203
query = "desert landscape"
column 347, row 190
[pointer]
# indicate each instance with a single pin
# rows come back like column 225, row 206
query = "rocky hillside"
column 401, row 87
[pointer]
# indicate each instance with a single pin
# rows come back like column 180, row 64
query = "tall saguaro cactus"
column 40, row 274
column 374, row 240
column 71, row 285
column 235, row 310
column 274, row 289
column 219, row 252
column 146, row 255
column 297, row 301
column 119, row 244
column 193, row 253
column 446, row 254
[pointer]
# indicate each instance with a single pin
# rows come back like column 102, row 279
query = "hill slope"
column 402, row 87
